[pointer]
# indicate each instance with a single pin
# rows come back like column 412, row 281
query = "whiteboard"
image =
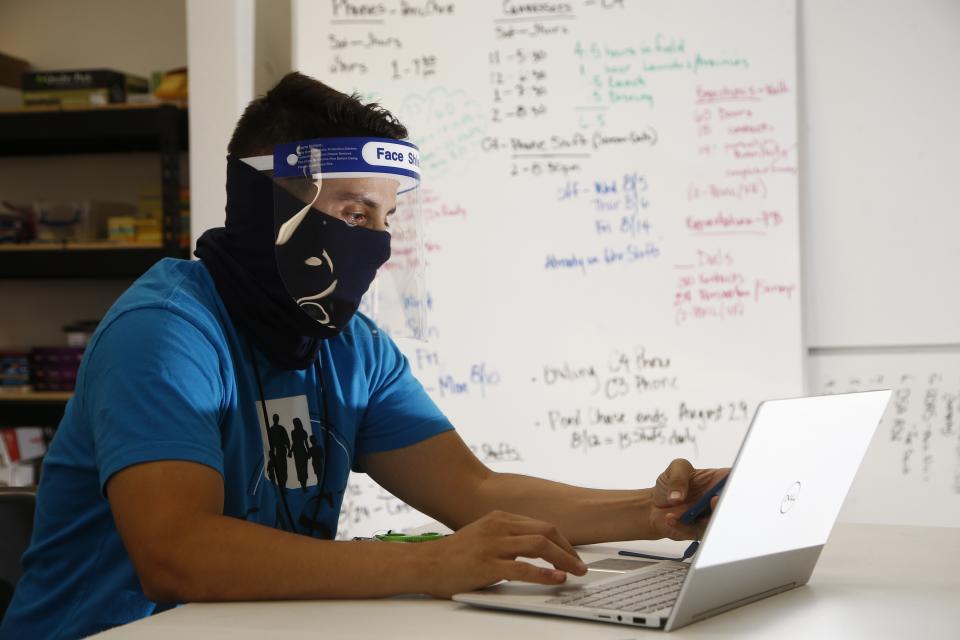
column 879, row 134
column 911, row 472
column 611, row 212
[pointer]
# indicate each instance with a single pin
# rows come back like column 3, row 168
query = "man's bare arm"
column 169, row 515
column 442, row 478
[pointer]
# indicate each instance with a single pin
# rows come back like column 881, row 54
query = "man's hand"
column 676, row 490
column 486, row 551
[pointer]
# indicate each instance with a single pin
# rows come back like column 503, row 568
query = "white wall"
column 880, row 88
column 135, row 36
column 220, row 54
column 273, row 49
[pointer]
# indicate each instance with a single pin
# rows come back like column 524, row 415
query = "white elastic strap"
column 290, row 226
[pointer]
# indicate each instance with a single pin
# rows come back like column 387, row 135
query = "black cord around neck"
column 322, row 480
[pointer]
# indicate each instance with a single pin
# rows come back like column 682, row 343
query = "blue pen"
column 691, row 549
column 703, row 504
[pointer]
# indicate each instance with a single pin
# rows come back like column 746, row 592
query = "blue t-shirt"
column 167, row 377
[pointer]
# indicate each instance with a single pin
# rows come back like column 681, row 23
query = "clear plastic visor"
column 323, row 182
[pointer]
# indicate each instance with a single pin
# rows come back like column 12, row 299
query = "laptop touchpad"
column 618, row 565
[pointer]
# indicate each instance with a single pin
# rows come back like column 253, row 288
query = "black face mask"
column 327, row 265
column 243, row 263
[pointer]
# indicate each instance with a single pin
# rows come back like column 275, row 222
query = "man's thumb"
column 678, row 479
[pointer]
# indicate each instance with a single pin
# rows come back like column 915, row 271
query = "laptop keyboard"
column 643, row 593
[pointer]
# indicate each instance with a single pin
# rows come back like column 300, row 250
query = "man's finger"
column 676, row 530
column 525, row 526
column 674, row 482
column 537, row 546
column 516, row 570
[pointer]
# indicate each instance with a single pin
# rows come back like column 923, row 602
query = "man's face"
column 327, row 274
column 360, row 202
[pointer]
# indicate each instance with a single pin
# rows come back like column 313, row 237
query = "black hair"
column 300, row 107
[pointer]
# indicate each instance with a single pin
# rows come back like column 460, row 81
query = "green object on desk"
column 400, row 537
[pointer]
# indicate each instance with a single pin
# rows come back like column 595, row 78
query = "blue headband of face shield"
column 334, row 158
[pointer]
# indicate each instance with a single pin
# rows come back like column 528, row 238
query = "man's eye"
column 354, row 217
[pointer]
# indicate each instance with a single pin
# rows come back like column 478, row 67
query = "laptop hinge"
column 742, row 601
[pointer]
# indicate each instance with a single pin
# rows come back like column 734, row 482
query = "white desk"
column 871, row 582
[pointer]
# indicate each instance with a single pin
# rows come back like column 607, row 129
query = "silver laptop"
column 776, row 511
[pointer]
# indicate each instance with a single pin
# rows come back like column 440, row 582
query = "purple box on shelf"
column 54, row 368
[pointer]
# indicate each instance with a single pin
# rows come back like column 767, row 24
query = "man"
column 167, row 479
column 279, row 449
column 299, row 452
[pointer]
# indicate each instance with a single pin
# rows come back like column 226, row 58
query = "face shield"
column 342, row 207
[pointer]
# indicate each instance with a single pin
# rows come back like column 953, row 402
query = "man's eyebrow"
column 359, row 197
column 364, row 200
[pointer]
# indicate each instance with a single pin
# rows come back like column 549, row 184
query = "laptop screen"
column 791, row 476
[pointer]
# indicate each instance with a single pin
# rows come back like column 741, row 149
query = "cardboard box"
column 79, row 87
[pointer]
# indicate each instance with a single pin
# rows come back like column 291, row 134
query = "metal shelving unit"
column 109, row 129
column 33, row 408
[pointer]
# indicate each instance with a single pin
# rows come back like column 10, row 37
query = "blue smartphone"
column 702, row 505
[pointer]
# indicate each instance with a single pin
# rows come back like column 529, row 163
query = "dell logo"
column 790, row 497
